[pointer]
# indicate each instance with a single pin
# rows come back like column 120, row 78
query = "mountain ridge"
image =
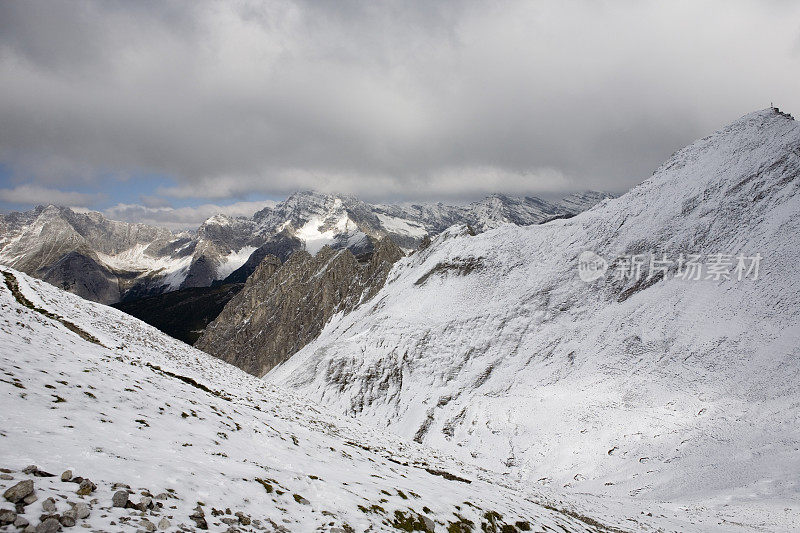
column 108, row 261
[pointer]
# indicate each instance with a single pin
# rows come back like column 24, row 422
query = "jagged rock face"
column 283, row 307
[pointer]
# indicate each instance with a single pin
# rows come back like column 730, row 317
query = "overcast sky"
column 171, row 110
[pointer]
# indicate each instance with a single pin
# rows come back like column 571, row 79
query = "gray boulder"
column 19, row 491
column 81, row 510
column 7, row 516
column 120, row 498
column 50, row 525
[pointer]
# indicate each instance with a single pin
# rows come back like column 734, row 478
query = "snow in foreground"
column 117, row 402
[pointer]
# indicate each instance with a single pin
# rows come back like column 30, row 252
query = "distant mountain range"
column 109, row 261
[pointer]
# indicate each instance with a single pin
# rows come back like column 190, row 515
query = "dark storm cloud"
column 414, row 100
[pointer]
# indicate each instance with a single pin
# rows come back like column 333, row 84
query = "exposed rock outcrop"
column 283, row 307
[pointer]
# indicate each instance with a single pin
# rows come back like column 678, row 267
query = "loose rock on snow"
column 19, row 491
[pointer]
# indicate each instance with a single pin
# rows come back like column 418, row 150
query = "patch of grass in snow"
column 188, row 381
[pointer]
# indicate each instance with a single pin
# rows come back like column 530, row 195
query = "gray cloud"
column 412, row 100
column 34, row 194
column 181, row 218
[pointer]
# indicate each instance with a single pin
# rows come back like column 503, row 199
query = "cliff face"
column 284, row 307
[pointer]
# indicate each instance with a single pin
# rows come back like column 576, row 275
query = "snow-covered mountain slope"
column 492, row 348
column 86, row 388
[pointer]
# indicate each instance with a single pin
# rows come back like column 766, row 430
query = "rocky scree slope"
column 164, row 436
column 283, row 307
column 492, row 348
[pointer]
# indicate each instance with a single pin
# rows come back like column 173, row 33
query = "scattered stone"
column 148, row 525
column 85, row 488
column 147, row 502
column 81, row 510
column 67, row 475
column 67, row 520
column 120, row 498
column 199, row 518
column 51, row 525
column 6, row 470
column 19, row 491
column 299, row 499
column 162, row 496
column 229, row 521
column 21, row 522
column 7, row 516
column 34, row 471
column 163, row 524
column 49, row 505
column 6, row 477
column 29, row 499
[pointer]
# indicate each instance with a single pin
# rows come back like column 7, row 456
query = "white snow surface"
column 233, row 260
column 402, row 226
column 143, row 409
column 319, row 232
column 679, row 393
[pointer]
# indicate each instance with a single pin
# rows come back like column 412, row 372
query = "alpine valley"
column 418, row 367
